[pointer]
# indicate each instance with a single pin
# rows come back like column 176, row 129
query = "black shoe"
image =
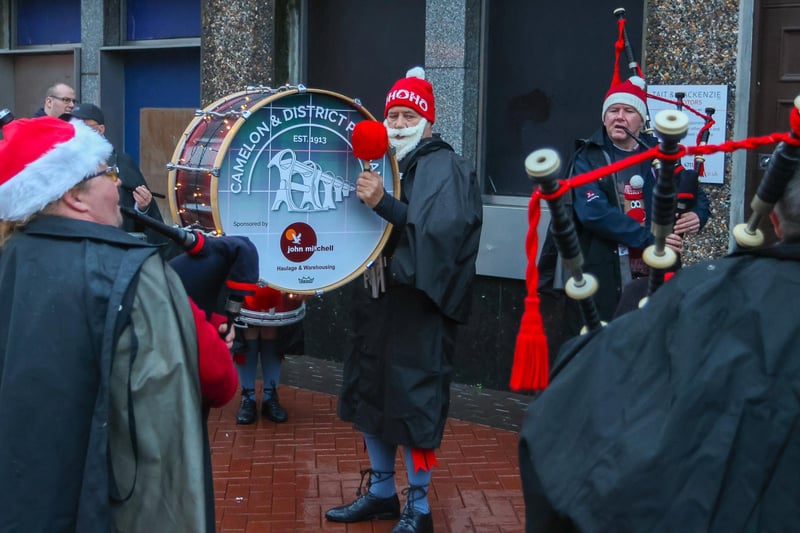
column 271, row 409
column 247, row 411
column 413, row 521
column 366, row 507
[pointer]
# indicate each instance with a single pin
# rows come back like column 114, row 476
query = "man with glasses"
column 135, row 194
column 106, row 365
column 60, row 99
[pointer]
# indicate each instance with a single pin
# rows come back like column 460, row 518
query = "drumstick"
column 370, row 141
column 131, row 189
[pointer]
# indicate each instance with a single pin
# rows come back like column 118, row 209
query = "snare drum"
column 278, row 167
column 270, row 307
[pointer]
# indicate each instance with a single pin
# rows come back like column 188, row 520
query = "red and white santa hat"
column 41, row 159
column 413, row 91
column 630, row 92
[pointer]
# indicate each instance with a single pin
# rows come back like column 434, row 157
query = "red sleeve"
column 218, row 378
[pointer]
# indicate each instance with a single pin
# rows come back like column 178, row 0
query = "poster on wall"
column 699, row 98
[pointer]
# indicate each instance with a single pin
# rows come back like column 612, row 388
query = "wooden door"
column 776, row 82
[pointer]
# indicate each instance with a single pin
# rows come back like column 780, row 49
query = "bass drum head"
column 284, row 176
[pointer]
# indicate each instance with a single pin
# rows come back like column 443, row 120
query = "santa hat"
column 41, row 159
column 630, row 92
column 413, row 91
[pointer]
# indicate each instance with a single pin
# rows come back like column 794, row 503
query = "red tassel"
column 531, row 365
column 423, row 459
column 619, row 46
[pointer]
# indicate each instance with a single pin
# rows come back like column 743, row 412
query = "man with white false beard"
column 396, row 383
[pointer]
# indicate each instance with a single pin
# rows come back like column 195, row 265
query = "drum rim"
column 282, row 318
column 222, row 153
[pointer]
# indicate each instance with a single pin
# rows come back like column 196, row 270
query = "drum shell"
column 289, row 309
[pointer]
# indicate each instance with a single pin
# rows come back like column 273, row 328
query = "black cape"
column 62, row 283
column 682, row 416
column 396, row 378
column 436, row 249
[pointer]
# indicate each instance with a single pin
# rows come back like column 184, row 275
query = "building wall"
column 697, row 43
column 685, row 42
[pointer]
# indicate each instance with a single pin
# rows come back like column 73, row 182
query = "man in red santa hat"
column 105, row 363
column 396, row 383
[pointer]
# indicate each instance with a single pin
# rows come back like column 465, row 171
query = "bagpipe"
column 210, row 265
column 530, row 369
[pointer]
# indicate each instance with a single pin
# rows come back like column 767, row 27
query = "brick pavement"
column 282, row 477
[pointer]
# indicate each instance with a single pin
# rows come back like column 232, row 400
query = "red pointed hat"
column 41, row 159
column 413, row 91
column 630, row 92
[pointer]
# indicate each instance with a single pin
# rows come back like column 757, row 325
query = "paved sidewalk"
column 282, row 477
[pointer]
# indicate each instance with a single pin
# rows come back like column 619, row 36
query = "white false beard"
column 404, row 140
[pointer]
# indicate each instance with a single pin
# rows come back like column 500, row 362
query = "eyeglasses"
column 65, row 99
column 111, row 173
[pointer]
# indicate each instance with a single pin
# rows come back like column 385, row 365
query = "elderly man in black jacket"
column 396, row 382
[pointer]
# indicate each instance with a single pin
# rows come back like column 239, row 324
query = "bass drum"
column 277, row 166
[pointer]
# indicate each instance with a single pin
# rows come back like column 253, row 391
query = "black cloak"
column 397, row 376
column 682, row 416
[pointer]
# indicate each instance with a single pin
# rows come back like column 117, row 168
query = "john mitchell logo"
column 298, row 242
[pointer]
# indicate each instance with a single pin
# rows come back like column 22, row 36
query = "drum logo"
column 319, row 190
column 298, row 242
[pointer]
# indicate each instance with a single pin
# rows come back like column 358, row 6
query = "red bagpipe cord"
column 531, row 364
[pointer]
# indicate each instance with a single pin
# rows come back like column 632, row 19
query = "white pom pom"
column 637, row 182
column 639, row 82
column 416, row 72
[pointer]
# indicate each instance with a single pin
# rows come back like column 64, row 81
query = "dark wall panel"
column 368, row 47
column 548, row 70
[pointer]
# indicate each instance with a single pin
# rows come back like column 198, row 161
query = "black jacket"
column 53, row 413
column 602, row 224
column 97, row 336
column 682, row 416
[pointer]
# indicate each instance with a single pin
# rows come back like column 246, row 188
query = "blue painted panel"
column 48, row 22
column 168, row 77
column 156, row 19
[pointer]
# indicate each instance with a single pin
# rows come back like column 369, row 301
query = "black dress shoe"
column 271, row 409
column 247, row 411
column 366, row 507
column 413, row 521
